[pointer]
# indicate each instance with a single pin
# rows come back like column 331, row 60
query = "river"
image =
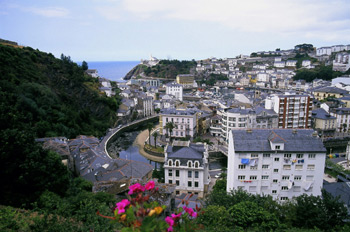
column 125, row 148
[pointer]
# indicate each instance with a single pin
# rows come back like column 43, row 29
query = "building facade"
column 185, row 122
column 186, row 165
column 175, row 90
column 343, row 118
column 283, row 163
column 324, row 123
column 294, row 111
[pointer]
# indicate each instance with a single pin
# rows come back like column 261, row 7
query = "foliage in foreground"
column 241, row 211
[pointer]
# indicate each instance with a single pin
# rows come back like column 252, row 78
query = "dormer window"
column 196, row 164
column 170, row 163
column 177, row 163
column 277, row 147
column 189, row 164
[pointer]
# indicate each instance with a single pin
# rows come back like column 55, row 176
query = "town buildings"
column 324, row 123
column 186, row 165
column 283, row 163
column 343, row 118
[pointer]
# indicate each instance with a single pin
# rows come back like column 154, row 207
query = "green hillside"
column 54, row 96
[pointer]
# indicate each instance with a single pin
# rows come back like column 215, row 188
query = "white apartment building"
column 185, row 121
column 283, row 163
column 186, row 165
column 236, row 118
column 343, row 118
column 175, row 90
column 294, row 111
column 324, row 51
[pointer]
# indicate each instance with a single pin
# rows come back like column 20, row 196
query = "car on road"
column 218, row 175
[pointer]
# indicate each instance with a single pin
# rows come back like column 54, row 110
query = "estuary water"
column 113, row 70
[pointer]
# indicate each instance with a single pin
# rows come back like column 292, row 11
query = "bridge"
column 113, row 131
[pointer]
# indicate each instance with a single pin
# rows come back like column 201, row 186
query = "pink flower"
column 121, row 205
column 136, row 188
column 170, row 222
column 176, row 216
column 190, row 212
column 150, row 185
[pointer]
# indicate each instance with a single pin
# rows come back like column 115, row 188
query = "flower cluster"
column 139, row 213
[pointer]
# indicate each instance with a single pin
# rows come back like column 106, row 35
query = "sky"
column 130, row 30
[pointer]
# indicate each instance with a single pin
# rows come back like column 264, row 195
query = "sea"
column 113, row 70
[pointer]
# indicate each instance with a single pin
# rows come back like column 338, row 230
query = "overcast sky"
column 113, row 30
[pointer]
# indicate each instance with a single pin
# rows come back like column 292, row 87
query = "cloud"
column 50, row 12
column 288, row 17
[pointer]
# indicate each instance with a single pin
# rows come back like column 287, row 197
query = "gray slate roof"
column 321, row 114
column 295, row 140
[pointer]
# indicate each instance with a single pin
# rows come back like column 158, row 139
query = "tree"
column 155, row 135
column 169, row 127
column 84, row 65
column 150, row 126
column 157, row 110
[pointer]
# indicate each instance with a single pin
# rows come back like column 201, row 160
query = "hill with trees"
column 42, row 96
column 164, row 69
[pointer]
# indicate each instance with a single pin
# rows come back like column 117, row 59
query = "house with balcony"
column 283, row 163
column 186, row 165
column 185, row 122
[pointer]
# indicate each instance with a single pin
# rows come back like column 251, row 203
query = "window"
column 264, row 188
column 177, row 174
column 170, row 172
column 254, row 155
column 277, row 147
column 189, row 164
column 274, row 191
column 241, row 177
column 241, row 166
column 296, row 188
column 254, row 167
column 277, row 159
column 285, row 177
column 252, row 177
column 196, row 174
column 298, row 167
column 309, row 178
column 311, row 167
column 177, row 183
column 286, row 167
column 265, row 166
column 287, row 155
column 196, row 164
column 297, row 178
column 284, row 188
column 275, row 181
column 189, row 183
column 196, row 184
column 189, row 175
column 312, row 156
column 264, row 177
column 300, row 156
column 284, row 198
column 170, row 181
column 170, row 163
column 177, row 163
column 275, row 170
column 266, row 155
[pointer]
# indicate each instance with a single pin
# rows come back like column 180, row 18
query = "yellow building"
column 185, row 79
column 324, row 123
column 325, row 92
